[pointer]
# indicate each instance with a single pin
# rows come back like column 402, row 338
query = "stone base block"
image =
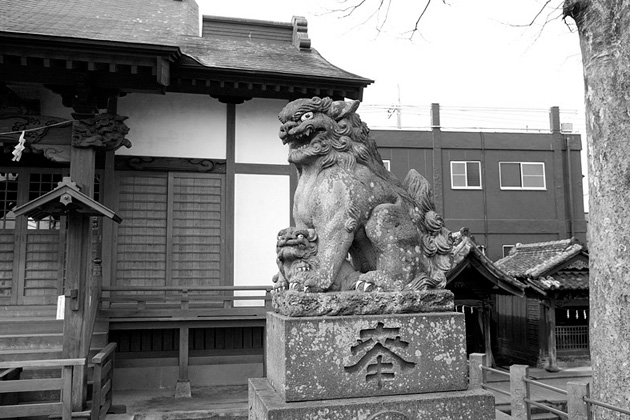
column 266, row 404
column 294, row 303
column 182, row 390
column 321, row 358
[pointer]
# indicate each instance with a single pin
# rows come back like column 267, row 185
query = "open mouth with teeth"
column 302, row 266
column 302, row 139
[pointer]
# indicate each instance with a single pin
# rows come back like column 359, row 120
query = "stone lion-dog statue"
column 363, row 230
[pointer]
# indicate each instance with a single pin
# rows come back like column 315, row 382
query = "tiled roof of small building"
column 533, row 260
column 564, row 280
column 168, row 23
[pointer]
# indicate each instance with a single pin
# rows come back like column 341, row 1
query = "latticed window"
column 40, row 184
column 31, row 251
column 8, row 199
column 173, row 229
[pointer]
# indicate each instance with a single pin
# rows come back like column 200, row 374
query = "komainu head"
column 296, row 251
column 320, row 131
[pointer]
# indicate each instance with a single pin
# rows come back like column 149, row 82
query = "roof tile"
column 533, row 260
column 564, row 280
column 166, row 23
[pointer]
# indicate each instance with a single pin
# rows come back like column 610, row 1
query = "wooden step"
column 43, row 341
column 30, row 341
column 30, row 354
column 28, row 311
column 30, row 326
column 38, row 354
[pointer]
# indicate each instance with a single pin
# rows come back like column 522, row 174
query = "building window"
column 522, row 175
column 466, row 175
column 40, row 184
column 507, row 249
column 174, row 229
column 8, row 199
column 386, row 164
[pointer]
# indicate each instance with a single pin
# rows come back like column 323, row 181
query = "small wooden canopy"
column 63, row 199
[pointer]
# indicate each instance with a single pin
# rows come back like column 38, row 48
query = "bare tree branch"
column 381, row 12
column 534, row 19
column 415, row 28
column 389, row 5
column 351, row 9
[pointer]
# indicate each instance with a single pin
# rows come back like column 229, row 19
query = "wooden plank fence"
column 103, row 382
column 62, row 408
column 183, row 301
column 183, row 308
column 579, row 403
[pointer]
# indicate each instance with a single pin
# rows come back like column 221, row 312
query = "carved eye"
column 307, row 116
column 300, row 236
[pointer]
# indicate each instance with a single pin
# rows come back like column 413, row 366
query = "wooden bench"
column 183, row 308
column 62, row 384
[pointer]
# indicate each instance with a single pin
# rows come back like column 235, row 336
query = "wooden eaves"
column 63, row 199
column 468, row 253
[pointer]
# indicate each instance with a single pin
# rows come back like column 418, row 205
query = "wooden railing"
column 183, row 301
column 103, row 382
column 183, row 308
column 63, row 384
column 572, row 337
column 578, row 407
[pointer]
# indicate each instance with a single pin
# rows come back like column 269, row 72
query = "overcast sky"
column 467, row 53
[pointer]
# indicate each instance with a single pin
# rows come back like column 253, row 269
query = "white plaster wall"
column 257, row 128
column 174, row 125
column 261, row 210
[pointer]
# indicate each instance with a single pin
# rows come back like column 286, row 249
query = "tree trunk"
column 604, row 29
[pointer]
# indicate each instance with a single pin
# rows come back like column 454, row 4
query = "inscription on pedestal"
column 377, row 357
column 314, row 358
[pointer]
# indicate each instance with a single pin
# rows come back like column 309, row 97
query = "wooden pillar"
column 108, row 199
column 552, row 365
column 78, row 287
column 82, row 287
column 182, row 389
column 230, row 179
column 485, row 315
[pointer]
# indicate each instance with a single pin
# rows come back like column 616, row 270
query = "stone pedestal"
column 318, row 358
column 266, row 404
column 390, row 366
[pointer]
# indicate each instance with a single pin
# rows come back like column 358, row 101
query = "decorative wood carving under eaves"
column 36, row 127
column 101, row 132
column 169, row 164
